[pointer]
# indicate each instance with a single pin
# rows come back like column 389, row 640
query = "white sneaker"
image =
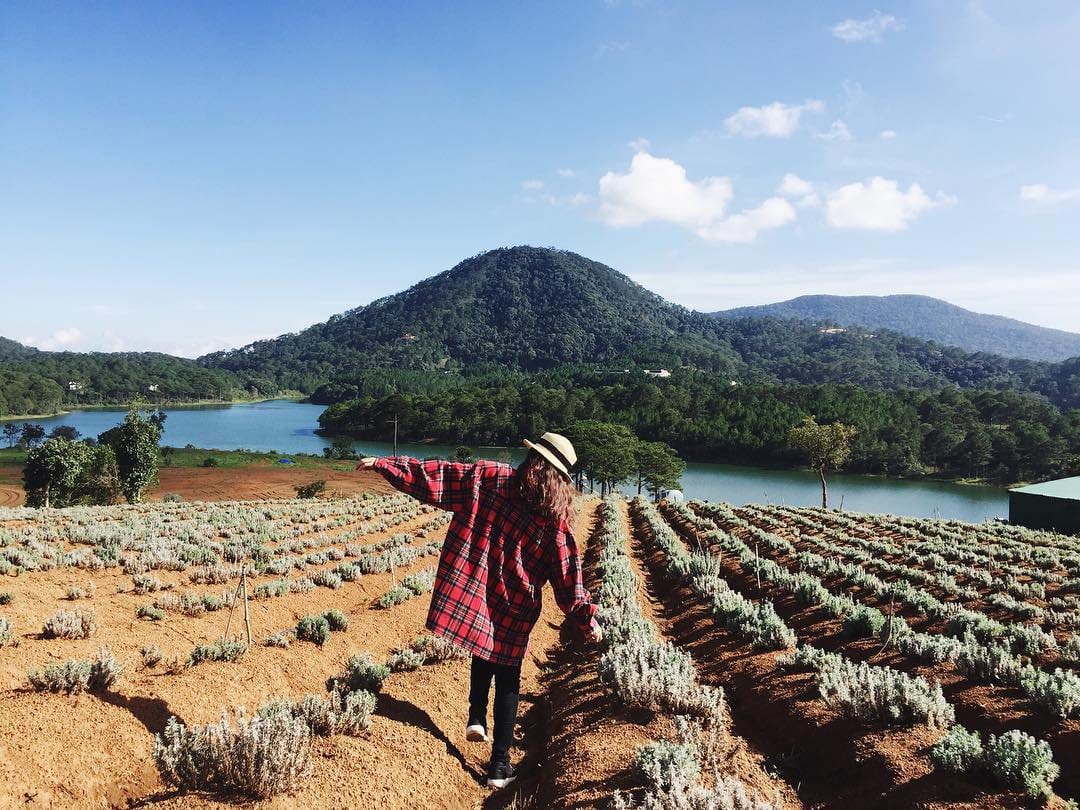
column 476, row 733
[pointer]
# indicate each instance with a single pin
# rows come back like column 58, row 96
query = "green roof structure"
column 1051, row 505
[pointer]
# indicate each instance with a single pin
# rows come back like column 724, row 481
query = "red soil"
column 254, row 482
column 903, row 775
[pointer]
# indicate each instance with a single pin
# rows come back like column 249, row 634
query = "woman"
column 510, row 533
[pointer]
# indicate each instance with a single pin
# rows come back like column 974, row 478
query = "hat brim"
column 549, row 457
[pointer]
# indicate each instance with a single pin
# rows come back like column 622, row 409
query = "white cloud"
column 532, row 185
column 887, row 134
column 566, row 173
column 853, row 92
column 795, row 187
column 879, row 205
column 776, row 120
column 611, row 46
column 60, row 340
column 743, row 228
column 1042, row 193
column 658, row 190
column 837, row 132
column 869, row 30
column 639, row 144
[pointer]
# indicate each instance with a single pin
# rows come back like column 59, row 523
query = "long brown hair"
column 545, row 489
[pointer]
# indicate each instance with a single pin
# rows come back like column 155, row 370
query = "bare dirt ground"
column 254, row 482
column 91, row 751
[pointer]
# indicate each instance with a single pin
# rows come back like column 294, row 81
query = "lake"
column 286, row 426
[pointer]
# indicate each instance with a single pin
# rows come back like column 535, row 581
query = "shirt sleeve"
column 445, row 484
column 564, row 573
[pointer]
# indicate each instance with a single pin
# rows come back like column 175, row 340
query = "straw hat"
column 557, row 450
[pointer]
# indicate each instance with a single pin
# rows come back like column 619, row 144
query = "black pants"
column 507, row 686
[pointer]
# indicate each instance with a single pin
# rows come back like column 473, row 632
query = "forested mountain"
column 35, row 382
column 530, row 308
column 522, row 309
column 928, row 318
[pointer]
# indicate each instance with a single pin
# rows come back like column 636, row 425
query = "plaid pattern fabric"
column 496, row 557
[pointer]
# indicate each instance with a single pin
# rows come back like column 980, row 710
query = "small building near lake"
column 1051, row 505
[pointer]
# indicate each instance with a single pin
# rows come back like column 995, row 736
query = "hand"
column 367, row 463
column 594, row 635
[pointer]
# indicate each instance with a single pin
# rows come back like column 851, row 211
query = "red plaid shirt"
column 497, row 555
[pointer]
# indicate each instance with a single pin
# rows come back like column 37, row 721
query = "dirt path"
column 593, row 741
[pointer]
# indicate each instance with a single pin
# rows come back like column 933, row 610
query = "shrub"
column 1058, row 692
column 426, row 649
column 262, row 757
column 420, row 582
column 338, row 713
column 70, row 677
column 221, row 650
column 1019, row 760
column 151, row 655
column 311, row 490
column 210, row 461
column 1027, row 639
column 6, row 597
column 958, row 751
column 282, row 640
column 653, row 675
column 76, row 676
column 328, row 579
column 75, row 594
column 150, row 612
column 361, row 673
column 70, row 624
column 266, row 590
column 881, row 693
column 987, row 661
column 405, row 660
column 1070, row 650
column 394, row 596
column 662, row 764
column 864, row 621
column 145, row 583
column 6, row 636
column 172, row 497
column 313, row 628
column 336, row 619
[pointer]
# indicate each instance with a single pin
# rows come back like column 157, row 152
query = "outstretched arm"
column 445, row 484
column 564, row 567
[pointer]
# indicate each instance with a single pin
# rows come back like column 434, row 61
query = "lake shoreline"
column 286, row 427
column 206, row 403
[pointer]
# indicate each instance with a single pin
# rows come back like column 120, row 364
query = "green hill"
column 526, row 309
column 928, row 318
column 522, row 309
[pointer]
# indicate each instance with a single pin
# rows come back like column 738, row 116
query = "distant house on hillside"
column 408, row 336
column 660, row 372
column 831, row 330
column 1052, row 505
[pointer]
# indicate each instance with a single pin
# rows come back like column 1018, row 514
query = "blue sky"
column 188, row 177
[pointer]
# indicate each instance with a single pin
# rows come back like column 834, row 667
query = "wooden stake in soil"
column 247, row 616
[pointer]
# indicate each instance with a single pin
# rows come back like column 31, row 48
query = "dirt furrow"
column 830, row 760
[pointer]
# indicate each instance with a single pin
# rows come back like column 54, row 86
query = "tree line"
column 47, row 382
column 999, row 436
